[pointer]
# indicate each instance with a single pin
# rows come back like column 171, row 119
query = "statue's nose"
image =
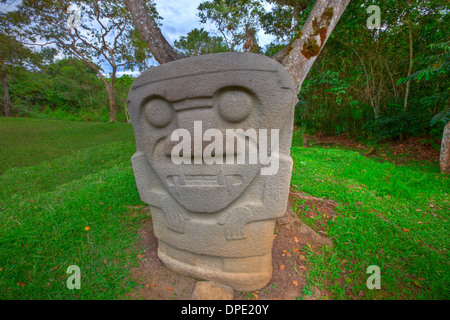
column 194, row 116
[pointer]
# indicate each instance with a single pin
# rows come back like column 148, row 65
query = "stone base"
column 226, row 270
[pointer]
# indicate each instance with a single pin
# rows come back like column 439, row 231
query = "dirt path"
column 157, row 282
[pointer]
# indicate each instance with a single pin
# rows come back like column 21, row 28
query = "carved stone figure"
column 213, row 136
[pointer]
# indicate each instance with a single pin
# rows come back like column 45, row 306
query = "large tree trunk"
column 161, row 49
column 444, row 160
column 6, row 95
column 299, row 56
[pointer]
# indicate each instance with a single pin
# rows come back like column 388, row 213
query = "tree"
column 284, row 18
column 236, row 20
column 297, row 57
column 88, row 30
column 198, row 41
column 13, row 55
column 145, row 23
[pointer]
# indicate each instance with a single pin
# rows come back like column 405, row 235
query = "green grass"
column 45, row 208
column 27, row 141
column 395, row 217
column 59, row 177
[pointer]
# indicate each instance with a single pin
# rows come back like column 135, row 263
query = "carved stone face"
column 243, row 93
column 223, row 91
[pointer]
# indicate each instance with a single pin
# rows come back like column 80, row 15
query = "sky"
column 180, row 17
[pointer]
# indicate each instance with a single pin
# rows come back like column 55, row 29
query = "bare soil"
column 157, row 282
column 400, row 151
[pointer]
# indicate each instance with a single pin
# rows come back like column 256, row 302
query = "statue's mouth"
column 205, row 188
column 212, row 181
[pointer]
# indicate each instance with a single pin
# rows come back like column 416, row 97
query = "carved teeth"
column 222, row 180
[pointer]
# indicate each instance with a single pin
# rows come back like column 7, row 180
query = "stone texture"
column 210, row 290
column 444, row 160
column 213, row 221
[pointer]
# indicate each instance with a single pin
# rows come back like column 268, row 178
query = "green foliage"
column 285, row 17
column 198, row 41
column 358, row 83
column 67, row 89
column 236, row 20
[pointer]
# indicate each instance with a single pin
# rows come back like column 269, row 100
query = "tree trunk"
column 300, row 55
column 161, row 50
column 410, row 63
column 6, row 95
column 444, row 160
column 112, row 104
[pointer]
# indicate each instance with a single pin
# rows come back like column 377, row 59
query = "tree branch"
column 151, row 34
column 299, row 56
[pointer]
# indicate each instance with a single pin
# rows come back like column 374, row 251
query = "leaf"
column 295, row 283
column 282, row 267
column 406, row 230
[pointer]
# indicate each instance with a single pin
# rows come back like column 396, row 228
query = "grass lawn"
column 68, row 197
column 67, row 192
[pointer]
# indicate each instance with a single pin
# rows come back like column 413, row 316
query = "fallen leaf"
column 302, row 257
column 419, row 222
column 406, row 230
column 296, row 239
column 418, row 210
column 140, row 256
column 169, row 288
column 295, row 283
column 282, row 267
column 153, row 284
column 22, row 284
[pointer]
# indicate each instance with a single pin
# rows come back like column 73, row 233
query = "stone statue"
column 213, row 136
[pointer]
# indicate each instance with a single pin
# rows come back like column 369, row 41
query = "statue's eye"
column 235, row 105
column 159, row 112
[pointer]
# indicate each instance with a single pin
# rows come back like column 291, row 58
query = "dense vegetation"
column 377, row 84
column 362, row 83
column 66, row 89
